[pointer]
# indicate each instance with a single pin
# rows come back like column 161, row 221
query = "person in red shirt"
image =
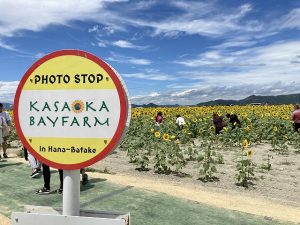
column 296, row 118
column 158, row 118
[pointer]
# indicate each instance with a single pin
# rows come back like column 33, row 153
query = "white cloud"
column 101, row 45
column 252, row 65
column 109, row 30
column 127, row 59
column 142, row 5
column 7, row 46
column 269, row 70
column 95, row 28
column 34, row 15
column 119, row 43
column 102, row 30
column 8, row 90
column 291, row 20
column 154, row 94
column 39, row 55
column 139, row 61
column 123, row 44
column 204, row 19
column 149, row 76
column 235, row 43
column 127, row 44
column 183, row 93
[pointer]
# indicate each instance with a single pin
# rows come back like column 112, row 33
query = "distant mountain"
column 7, row 106
column 218, row 102
column 152, row 105
column 271, row 100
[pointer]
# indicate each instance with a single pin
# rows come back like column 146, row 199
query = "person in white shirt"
column 180, row 121
column 6, row 129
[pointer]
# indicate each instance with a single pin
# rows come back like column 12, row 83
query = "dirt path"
column 229, row 200
column 4, row 220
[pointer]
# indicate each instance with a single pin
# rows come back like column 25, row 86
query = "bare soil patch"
column 281, row 183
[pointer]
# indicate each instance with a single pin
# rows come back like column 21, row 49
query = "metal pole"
column 71, row 193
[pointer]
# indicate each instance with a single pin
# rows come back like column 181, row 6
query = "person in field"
column 6, row 129
column 180, row 121
column 34, row 164
column 158, row 119
column 296, row 118
column 84, row 176
column 218, row 122
column 47, row 177
column 234, row 120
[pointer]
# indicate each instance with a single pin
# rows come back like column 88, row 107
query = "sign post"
column 71, row 193
column 71, row 110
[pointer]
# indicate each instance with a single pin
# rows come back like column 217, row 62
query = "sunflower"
column 152, row 130
column 285, row 117
column 275, row 129
column 157, row 134
column 166, row 137
column 173, row 137
column 249, row 153
column 249, row 128
column 245, row 143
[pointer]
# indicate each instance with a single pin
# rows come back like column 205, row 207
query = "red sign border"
column 123, row 109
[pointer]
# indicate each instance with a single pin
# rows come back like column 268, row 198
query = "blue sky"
column 167, row 52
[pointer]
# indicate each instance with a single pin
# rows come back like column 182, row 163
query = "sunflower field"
column 168, row 148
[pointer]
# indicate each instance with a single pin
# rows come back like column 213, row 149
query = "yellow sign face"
column 71, row 109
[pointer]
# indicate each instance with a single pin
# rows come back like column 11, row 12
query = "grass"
column 146, row 208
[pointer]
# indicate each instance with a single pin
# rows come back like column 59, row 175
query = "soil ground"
column 274, row 194
column 280, row 184
column 146, row 207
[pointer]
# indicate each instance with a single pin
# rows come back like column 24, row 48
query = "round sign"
column 71, row 109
